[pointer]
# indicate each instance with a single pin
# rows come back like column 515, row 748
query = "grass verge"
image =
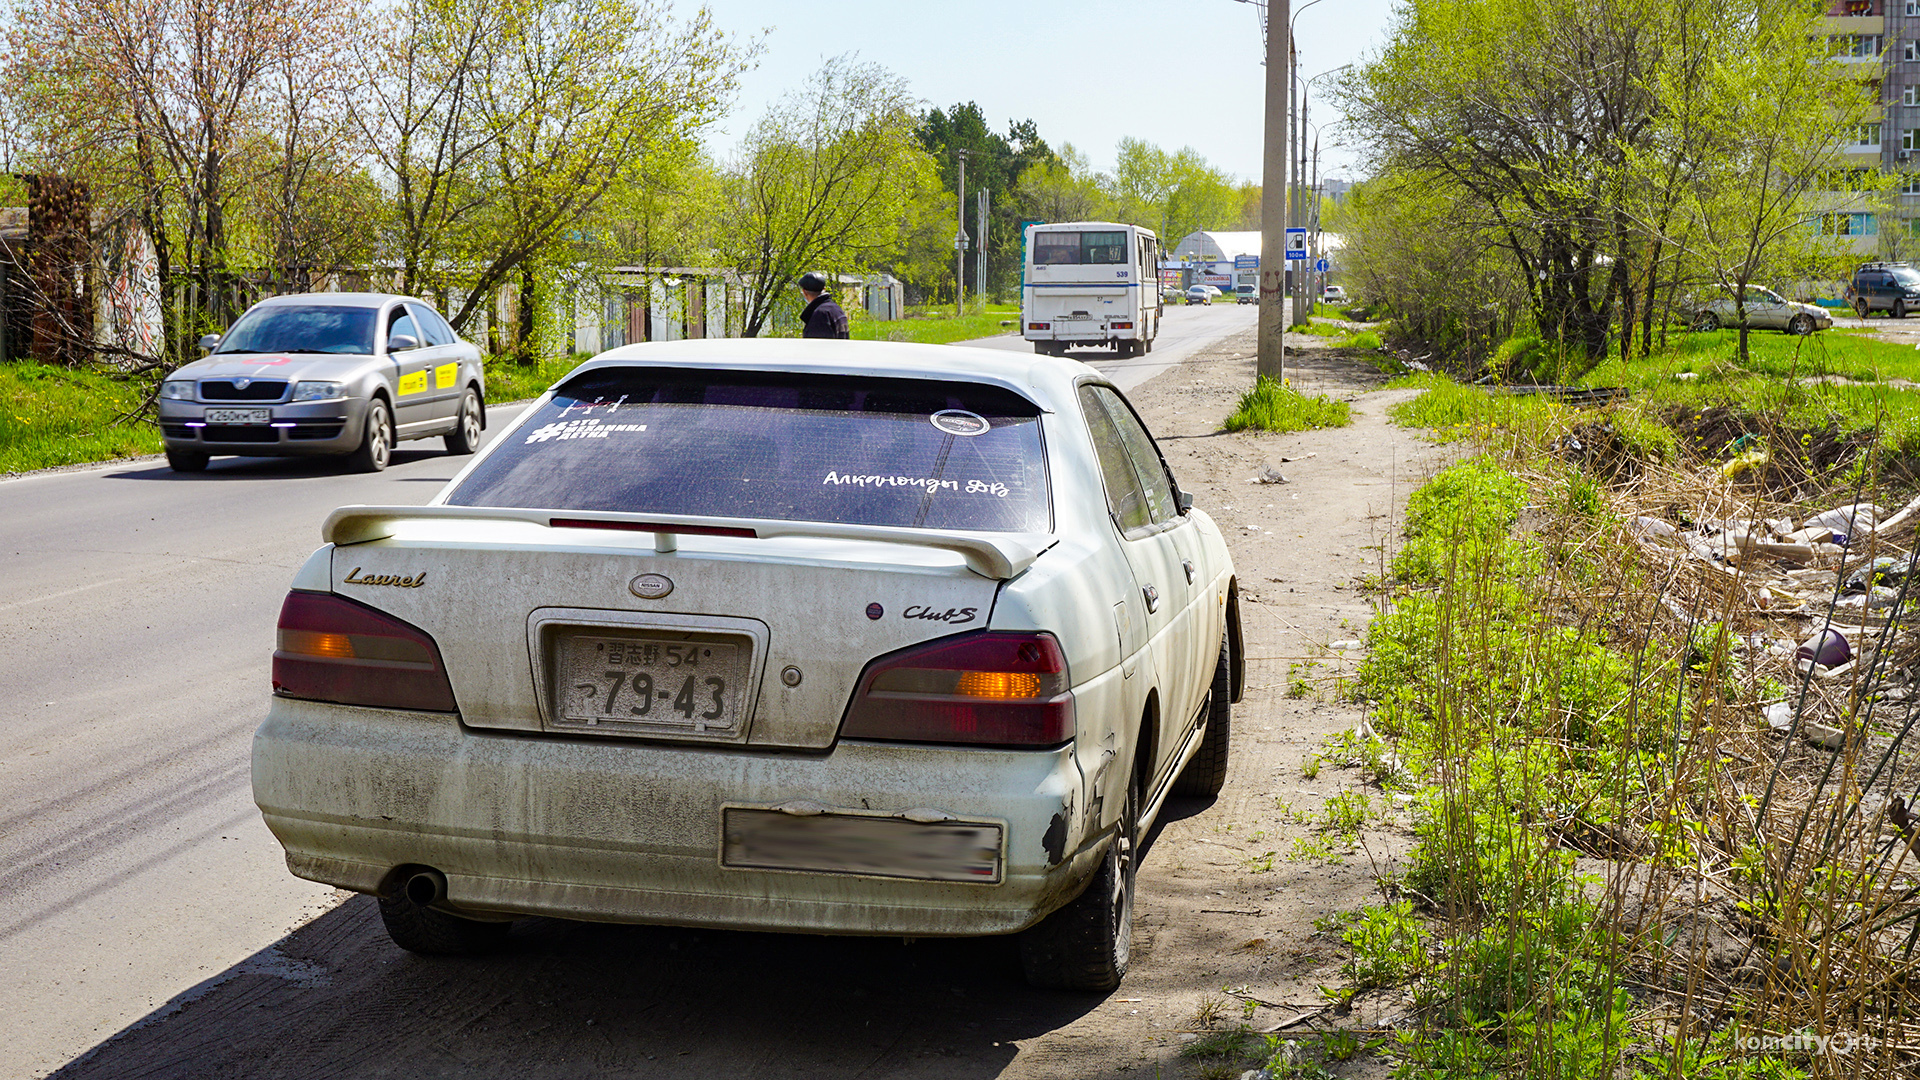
column 51, row 416
column 937, row 326
column 1273, row 406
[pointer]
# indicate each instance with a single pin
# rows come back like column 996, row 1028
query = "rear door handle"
column 1187, row 565
column 1153, row 598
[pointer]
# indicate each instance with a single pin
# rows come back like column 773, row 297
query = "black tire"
column 465, row 436
column 1860, row 307
column 1800, row 324
column 376, row 440
column 1899, row 309
column 186, row 461
column 1086, row 944
column 1148, row 346
column 1706, row 320
column 1206, row 771
column 432, row 932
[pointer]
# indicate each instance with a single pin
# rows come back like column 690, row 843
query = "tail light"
column 333, row 649
column 1039, row 326
column 991, row 688
column 1123, row 326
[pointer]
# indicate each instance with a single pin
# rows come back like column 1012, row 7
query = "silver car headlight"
column 318, row 391
column 180, row 390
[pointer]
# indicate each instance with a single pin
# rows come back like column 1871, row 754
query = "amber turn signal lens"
column 998, row 684
column 316, row 643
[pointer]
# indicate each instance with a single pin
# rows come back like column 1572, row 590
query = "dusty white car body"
column 519, row 794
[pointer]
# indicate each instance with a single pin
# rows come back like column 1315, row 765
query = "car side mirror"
column 1186, row 501
column 402, row 342
column 210, row 342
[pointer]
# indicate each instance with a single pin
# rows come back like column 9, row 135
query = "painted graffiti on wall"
column 130, row 302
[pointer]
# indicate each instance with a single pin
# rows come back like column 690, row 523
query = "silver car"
column 325, row 373
column 818, row 636
column 1765, row 309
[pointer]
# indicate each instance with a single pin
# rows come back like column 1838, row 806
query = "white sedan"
column 833, row 637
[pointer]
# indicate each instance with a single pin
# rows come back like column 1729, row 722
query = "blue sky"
column 1089, row 72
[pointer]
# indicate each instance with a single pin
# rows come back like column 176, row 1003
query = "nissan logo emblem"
column 651, row 586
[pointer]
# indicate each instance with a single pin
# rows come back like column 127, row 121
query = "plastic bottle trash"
column 1779, row 716
column 1828, row 648
column 1857, row 518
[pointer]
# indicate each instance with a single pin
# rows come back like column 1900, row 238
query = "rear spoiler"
column 998, row 556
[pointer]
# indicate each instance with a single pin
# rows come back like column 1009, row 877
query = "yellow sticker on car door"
column 446, row 375
column 414, row 382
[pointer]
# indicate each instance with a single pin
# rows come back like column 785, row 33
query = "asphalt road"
column 1183, row 329
column 136, row 623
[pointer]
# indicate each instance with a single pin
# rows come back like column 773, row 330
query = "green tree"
column 823, row 183
column 996, row 163
column 1171, row 193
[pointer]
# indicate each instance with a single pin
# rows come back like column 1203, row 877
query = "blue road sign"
column 1296, row 244
column 1320, row 267
column 1246, row 262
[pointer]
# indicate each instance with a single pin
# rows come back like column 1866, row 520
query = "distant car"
column 1765, row 309
column 811, row 636
column 325, row 373
column 1246, row 294
column 1892, row 287
column 1201, row 294
column 1334, row 294
column 1171, row 294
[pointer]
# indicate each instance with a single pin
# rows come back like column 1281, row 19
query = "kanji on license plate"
column 654, row 684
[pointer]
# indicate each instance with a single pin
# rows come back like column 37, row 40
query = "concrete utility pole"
column 1272, row 342
column 980, row 246
column 960, row 241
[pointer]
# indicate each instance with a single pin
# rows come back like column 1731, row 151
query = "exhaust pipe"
column 425, row 887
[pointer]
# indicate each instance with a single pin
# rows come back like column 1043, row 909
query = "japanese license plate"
column 239, row 416
column 853, row 844
column 665, row 684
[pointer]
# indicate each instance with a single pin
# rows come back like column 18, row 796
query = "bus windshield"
column 1079, row 248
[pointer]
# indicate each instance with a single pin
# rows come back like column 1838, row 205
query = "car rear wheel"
column 1206, row 772
column 1860, row 307
column 418, row 928
column 1086, row 944
column 1801, row 324
column 376, row 445
column 1706, row 320
column 465, row 436
column 186, row 461
column 1899, row 309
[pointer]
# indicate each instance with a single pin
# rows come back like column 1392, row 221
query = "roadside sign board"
column 1296, row 244
column 1320, row 267
column 1246, row 262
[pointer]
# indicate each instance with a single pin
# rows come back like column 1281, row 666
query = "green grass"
column 508, row 381
column 1272, row 406
column 53, row 416
column 938, row 326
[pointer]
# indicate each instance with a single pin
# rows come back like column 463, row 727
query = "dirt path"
column 1221, row 903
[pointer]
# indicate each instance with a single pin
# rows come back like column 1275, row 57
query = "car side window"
column 436, row 329
column 1125, row 499
column 1147, row 464
column 402, row 324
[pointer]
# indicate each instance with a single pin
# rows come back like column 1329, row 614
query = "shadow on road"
column 264, row 468
column 336, row 999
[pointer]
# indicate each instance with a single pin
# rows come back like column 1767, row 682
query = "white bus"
column 1091, row 283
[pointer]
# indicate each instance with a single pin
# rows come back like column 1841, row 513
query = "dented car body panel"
column 554, row 787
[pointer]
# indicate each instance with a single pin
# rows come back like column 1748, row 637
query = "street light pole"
column 960, row 241
column 1303, row 306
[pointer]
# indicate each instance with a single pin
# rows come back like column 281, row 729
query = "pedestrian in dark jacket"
column 821, row 318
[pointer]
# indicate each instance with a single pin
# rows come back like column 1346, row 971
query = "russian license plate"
column 239, row 416
column 852, row 844
column 681, row 685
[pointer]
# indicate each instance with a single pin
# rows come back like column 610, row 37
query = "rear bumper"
column 630, row 832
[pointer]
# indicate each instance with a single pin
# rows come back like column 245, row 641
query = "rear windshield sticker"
column 960, row 422
column 973, row 487
column 579, row 429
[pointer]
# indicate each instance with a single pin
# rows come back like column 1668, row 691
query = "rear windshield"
column 288, row 329
column 1079, row 248
column 912, row 453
